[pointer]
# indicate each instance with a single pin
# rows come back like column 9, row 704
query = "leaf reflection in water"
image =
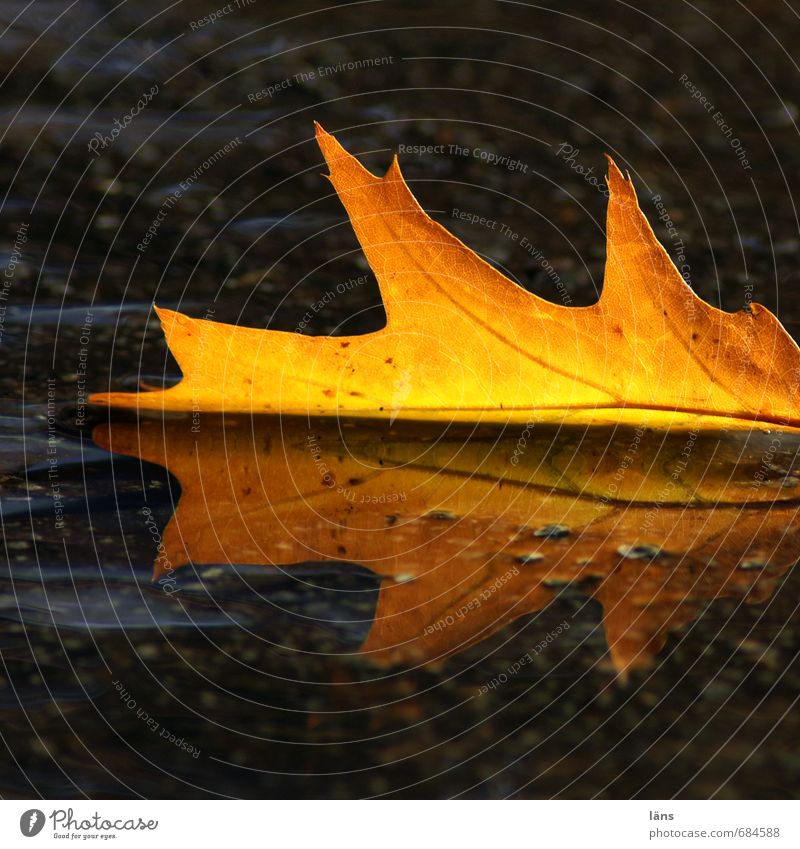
column 472, row 528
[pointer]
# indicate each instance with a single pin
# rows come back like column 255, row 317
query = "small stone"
column 639, row 552
column 442, row 515
column 552, row 532
column 533, row 557
column 752, row 565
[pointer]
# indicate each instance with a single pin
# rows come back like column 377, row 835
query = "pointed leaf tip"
column 166, row 317
column 346, row 172
column 325, row 140
column 332, row 151
column 163, row 315
column 616, row 180
column 328, row 144
column 393, row 172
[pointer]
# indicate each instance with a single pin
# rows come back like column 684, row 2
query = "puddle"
column 654, row 535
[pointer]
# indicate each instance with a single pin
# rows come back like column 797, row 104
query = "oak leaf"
column 463, row 342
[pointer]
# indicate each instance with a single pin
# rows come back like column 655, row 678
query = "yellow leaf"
column 463, row 342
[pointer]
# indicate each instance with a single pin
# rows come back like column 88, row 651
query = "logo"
column 31, row 822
